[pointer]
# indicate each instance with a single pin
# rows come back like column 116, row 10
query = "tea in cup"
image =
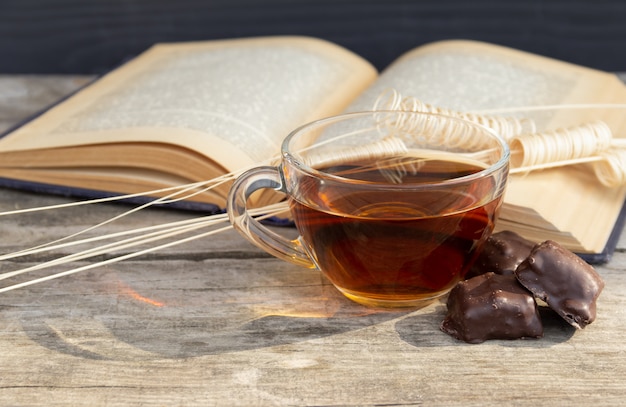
column 392, row 207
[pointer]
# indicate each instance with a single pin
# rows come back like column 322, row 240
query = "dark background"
column 93, row 36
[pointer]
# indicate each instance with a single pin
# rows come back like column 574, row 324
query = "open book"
column 187, row 112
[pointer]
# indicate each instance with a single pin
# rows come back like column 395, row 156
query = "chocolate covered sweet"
column 563, row 280
column 491, row 306
column 501, row 254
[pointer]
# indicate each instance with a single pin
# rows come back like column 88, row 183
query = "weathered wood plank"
column 22, row 96
column 265, row 332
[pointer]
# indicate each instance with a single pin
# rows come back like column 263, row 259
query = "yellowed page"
column 230, row 100
column 470, row 76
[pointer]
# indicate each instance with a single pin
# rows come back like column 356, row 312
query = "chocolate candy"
column 563, row 280
column 501, row 254
column 491, row 306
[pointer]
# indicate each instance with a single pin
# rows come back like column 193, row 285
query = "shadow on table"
column 150, row 315
column 189, row 337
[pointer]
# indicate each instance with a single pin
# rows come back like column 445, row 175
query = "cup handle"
column 273, row 243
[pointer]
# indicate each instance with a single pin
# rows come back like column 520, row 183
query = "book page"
column 232, row 100
column 471, row 76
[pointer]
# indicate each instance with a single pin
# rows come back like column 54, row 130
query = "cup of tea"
column 392, row 207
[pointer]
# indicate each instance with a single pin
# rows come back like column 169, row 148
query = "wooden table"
column 218, row 322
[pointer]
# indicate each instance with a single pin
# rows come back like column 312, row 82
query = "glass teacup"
column 392, row 207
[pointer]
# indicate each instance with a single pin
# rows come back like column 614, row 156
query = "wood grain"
column 87, row 37
column 218, row 322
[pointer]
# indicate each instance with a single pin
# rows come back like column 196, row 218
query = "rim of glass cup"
column 293, row 158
